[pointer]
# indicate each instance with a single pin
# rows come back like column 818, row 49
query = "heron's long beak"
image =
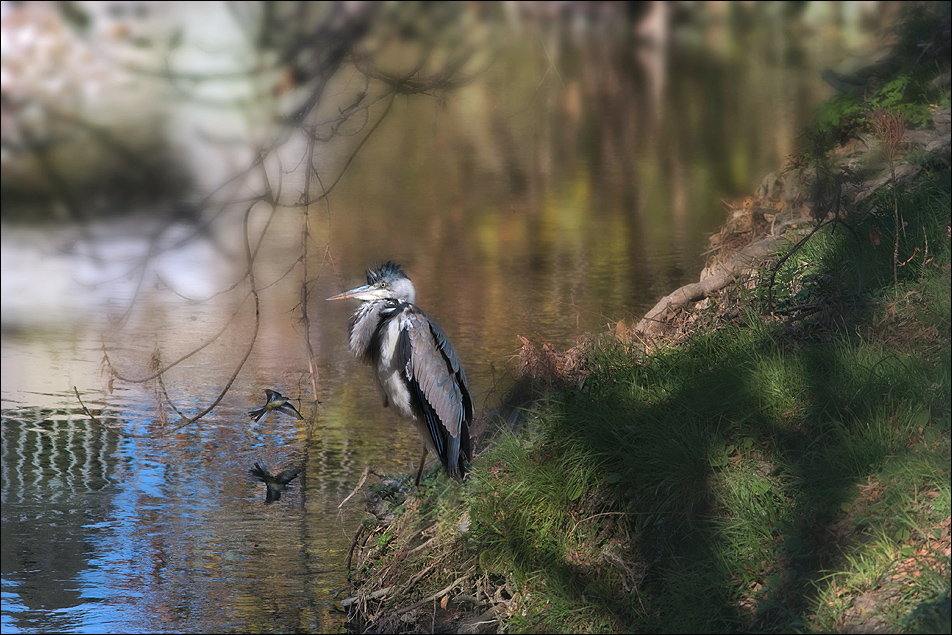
column 361, row 293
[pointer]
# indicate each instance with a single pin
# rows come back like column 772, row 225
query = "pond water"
column 568, row 187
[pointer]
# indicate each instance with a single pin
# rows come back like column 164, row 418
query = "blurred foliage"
column 904, row 93
column 912, row 80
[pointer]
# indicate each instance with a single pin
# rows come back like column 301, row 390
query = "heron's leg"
column 422, row 463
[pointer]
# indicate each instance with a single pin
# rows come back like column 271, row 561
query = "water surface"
column 566, row 189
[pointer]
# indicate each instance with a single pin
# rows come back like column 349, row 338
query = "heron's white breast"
column 389, row 373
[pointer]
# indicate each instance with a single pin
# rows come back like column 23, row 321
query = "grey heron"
column 417, row 370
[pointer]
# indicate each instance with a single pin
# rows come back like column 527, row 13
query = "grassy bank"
column 760, row 475
column 779, row 463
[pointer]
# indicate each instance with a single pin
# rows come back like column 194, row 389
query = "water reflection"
column 145, row 533
column 570, row 186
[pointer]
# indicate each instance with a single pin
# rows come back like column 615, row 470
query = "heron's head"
column 386, row 282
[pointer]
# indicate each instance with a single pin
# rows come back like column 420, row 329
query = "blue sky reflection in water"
column 549, row 198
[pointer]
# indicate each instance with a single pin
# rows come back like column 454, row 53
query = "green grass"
column 763, row 474
column 758, row 476
column 786, row 468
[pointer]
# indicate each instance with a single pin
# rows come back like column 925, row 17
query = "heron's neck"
column 367, row 324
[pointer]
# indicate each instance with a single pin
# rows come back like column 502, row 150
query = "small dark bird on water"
column 417, row 370
column 276, row 401
column 276, row 483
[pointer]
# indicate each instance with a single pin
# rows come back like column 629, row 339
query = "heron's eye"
column 383, row 285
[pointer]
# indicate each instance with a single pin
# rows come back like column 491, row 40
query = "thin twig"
column 152, row 375
column 416, row 578
column 781, row 261
column 435, row 596
column 596, row 516
column 422, row 546
column 312, row 366
column 379, row 593
column 360, row 483
column 254, row 335
column 353, row 546
column 353, row 155
column 85, row 409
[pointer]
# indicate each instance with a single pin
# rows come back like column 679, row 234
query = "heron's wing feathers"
column 466, row 402
column 420, row 402
column 435, row 368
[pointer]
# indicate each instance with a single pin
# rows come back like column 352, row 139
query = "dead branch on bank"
column 780, row 217
column 653, row 323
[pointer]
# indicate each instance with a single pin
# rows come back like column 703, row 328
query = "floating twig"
column 85, row 409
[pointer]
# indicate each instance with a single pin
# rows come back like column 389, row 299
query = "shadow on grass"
column 732, row 461
column 714, row 486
